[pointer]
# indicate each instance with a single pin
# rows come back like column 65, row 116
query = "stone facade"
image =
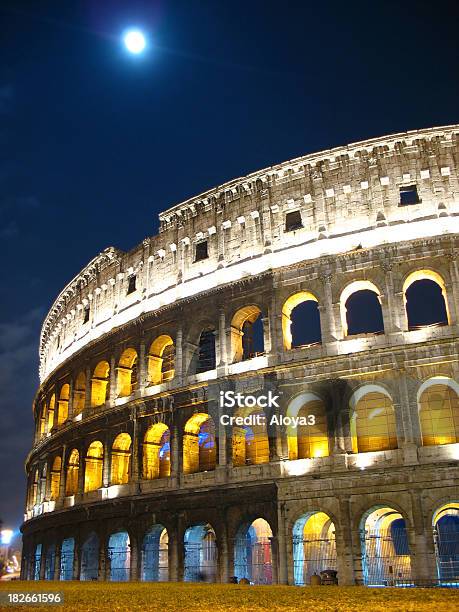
column 354, row 235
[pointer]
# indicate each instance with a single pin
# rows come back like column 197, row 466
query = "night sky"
column 94, row 142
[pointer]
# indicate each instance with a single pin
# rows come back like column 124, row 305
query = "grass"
column 168, row 597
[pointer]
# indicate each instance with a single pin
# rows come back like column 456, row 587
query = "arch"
column 42, row 484
column 119, row 555
column 79, row 394
column 50, row 411
column 37, row 561
column 161, row 360
column 310, row 438
column 370, row 320
column 314, row 546
column 292, row 326
column 55, row 478
column 100, row 387
column 199, row 444
column 50, row 559
column 445, row 524
column 253, row 552
column 94, row 464
column 200, row 554
column 385, row 549
column 120, row 459
column 126, row 380
column 63, row 404
column 250, row 442
column 373, row 424
column 155, row 555
column 67, row 559
column 246, row 336
column 89, row 569
column 206, row 351
column 156, row 455
column 438, row 401
column 73, row 468
column 420, row 286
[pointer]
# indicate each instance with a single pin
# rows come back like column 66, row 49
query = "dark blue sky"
column 93, row 143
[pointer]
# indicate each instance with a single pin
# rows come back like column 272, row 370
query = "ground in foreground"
column 141, row 596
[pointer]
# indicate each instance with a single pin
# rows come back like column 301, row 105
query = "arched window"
column 73, row 467
column 372, row 421
column 120, row 459
column 206, row 351
column 161, row 360
column 34, row 489
column 79, row 394
column 94, row 466
column 385, row 550
column 90, row 558
column 199, row 444
column 200, row 559
column 55, row 478
column 425, row 299
column 314, row 546
column 156, row 458
column 446, row 535
column 127, row 373
column 51, row 408
column 253, row 552
column 99, row 384
column 250, row 443
column 67, row 559
column 361, row 312
column 42, row 420
column 155, row 562
column 247, row 338
column 63, row 409
column 310, row 438
column 439, row 412
column 119, row 554
column 301, row 320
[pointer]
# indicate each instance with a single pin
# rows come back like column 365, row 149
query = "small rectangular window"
column 131, row 284
column 201, row 251
column 409, row 195
column 293, row 221
column 86, row 314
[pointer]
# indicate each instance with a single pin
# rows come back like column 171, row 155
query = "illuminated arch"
column 156, row 461
column 253, row 552
column 79, row 394
column 314, row 546
column 445, row 523
column 120, row 459
column 289, row 306
column 51, row 408
column 119, row 555
column 126, row 380
column 352, row 288
column 55, row 478
column 438, row 401
column 242, row 324
column 67, row 559
column 206, row 351
column 250, row 442
column 373, row 424
column 94, row 464
column 199, row 444
column 100, row 384
column 155, row 549
column 63, row 409
column 34, row 489
column 430, row 275
column 73, row 468
column 161, row 360
column 385, row 548
column 311, row 440
column 200, row 559
column 43, row 420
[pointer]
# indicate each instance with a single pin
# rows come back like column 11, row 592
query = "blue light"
column 134, row 41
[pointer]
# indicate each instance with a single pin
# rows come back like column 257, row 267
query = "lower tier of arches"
column 374, row 539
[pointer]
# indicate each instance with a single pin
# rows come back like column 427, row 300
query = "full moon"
column 134, row 41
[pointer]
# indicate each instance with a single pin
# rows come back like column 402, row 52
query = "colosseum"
column 324, row 294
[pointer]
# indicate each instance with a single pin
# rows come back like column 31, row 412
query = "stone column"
column 135, row 558
column 391, row 314
column 135, row 469
column 43, row 562
column 106, row 464
column 62, row 476
column 452, row 292
column 87, row 397
column 81, row 471
column 70, row 402
column 327, row 312
column 347, row 545
column 57, row 562
column 223, row 555
column 176, row 454
column 421, row 542
column 179, row 355
column 77, row 560
column 222, row 338
column 275, row 559
column 283, row 557
column 173, row 556
column 112, row 380
column 142, row 368
column 267, row 345
column 104, row 561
